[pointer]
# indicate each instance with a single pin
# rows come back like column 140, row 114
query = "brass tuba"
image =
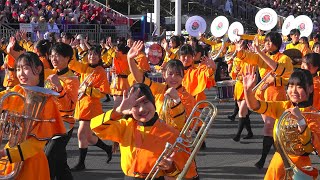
column 15, row 127
column 188, row 138
column 287, row 143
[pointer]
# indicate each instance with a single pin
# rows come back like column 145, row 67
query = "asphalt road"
column 222, row 159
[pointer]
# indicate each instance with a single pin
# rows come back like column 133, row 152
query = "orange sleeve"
column 46, row 130
column 100, row 86
column 78, row 66
column 142, row 62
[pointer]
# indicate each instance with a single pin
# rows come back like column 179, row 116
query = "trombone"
column 85, row 83
column 186, row 137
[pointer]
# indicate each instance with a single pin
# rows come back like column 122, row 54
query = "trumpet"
column 229, row 56
column 188, row 138
column 287, row 142
column 85, row 83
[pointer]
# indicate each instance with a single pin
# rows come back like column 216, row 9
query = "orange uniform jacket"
column 35, row 165
column 10, row 78
column 309, row 138
column 238, row 68
column 45, row 62
column 140, row 146
column 142, row 62
column 275, row 92
column 89, row 105
column 173, row 54
column 316, row 92
column 120, row 82
column 195, row 81
column 304, row 49
column 178, row 112
column 68, row 96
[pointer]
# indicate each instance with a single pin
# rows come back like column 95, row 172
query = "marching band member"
column 95, row 86
column 273, row 89
column 137, row 133
column 13, row 50
column 172, row 49
column 300, row 91
column 198, row 51
column 295, row 36
column 314, row 40
column 183, row 102
column 311, row 63
column 244, row 120
column 121, row 72
column 66, row 84
column 316, row 47
column 42, row 48
column 30, row 72
column 215, row 45
column 195, row 79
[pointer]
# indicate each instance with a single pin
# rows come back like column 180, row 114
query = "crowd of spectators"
column 246, row 9
column 57, row 11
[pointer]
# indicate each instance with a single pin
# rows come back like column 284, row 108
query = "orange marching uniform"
column 309, row 137
column 172, row 54
column 304, row 49
column 178, row 112
column 238, row 68
column 195, row 80
column 137, row 143
column 275, row 91
column 10, row 78
column 122, row 71
column 142, row 62
column 35, row 164
column 97, row 87
column 68, row 96
column 316, row 91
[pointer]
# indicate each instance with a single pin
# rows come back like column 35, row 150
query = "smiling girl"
column 95, row 86
column 182, row 102
column 300, row 92
column 30, row 72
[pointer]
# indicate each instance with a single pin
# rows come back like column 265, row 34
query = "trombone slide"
column 262, row 81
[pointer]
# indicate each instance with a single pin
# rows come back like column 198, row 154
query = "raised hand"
column 239, row 45
column 135, row 49
column 129, row 100
column 208, row 62
column 172, row 93
column 249, row 79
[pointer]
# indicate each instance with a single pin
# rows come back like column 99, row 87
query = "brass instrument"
column 165, row 108
column 287, row 142
column 214, row 54
column 85, row 83
column 188, row 138
column 230, row 55
column 16, row 126
column 265, row 85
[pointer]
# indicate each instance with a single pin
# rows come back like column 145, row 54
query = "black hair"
column 175, row 39
column 68, row 36
column 96, row 50
column 186, row 49
column 315, row 44
column 122, row 45
column 313, row 59
column 275, row 38
column 303, row 78
column 31, row 59
column 295, row 31
column 174, row 65
column 144, row 91
column 62, row 49
column 316, row 36
column 305, row 39
column 43, row 47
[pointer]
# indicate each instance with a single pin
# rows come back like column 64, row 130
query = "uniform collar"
column 63, row 71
